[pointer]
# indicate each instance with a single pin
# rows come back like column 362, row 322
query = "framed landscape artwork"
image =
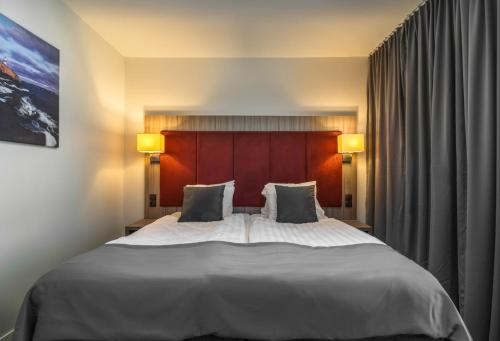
column 29, row 87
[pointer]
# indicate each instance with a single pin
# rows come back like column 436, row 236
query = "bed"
column 242, row 278
column 359, row 286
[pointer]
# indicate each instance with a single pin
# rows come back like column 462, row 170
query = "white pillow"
column 270, row 209
column 227, row 199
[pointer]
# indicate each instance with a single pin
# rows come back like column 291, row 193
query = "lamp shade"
column 351, row 143
column 150, row 143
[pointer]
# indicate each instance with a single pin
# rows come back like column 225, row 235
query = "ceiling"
column 243, row 28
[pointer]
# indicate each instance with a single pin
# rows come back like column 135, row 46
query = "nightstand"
column 131, row 228
column 359, row 225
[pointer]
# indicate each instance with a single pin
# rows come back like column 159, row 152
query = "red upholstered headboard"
column 252, row 159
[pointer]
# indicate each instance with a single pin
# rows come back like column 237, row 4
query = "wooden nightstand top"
column 359, row 225
column 139, row 224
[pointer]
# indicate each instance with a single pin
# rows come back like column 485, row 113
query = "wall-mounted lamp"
column 151, row 144
column 347, row 144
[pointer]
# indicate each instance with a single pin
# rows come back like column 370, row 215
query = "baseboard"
column 8, row 336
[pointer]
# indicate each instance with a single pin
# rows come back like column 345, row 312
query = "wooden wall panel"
column 157, row 122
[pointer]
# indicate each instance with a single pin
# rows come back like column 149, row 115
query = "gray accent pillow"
column 295, row 205
column 202, row 204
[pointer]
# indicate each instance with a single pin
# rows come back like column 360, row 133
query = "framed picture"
column 29, row 87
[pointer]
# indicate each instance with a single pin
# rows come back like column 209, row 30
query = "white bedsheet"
column 324, row 233
column 167, row 231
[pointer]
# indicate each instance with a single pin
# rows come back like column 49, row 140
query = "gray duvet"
column 271, row 291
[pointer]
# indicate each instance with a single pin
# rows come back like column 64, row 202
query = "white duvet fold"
column 167, row 231
column 324, row 233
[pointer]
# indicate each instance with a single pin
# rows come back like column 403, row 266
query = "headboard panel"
column 180, row 161
column 288, row 156
column 251, row 167
column 322, row 162
column 252, row 159
column 214, row 157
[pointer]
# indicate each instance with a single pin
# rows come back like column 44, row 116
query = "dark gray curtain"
column 433, row 149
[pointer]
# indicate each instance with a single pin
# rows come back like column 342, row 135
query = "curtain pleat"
column 482, row 248
column 433, row 151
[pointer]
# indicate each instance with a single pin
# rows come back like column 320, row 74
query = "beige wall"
column 56, row 203
column 247, row 86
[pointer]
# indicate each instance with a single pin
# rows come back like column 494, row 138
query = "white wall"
column 238, row 86
column 56, row 203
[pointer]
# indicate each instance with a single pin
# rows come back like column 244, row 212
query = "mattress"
column 167, row 231
column 324, row 233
